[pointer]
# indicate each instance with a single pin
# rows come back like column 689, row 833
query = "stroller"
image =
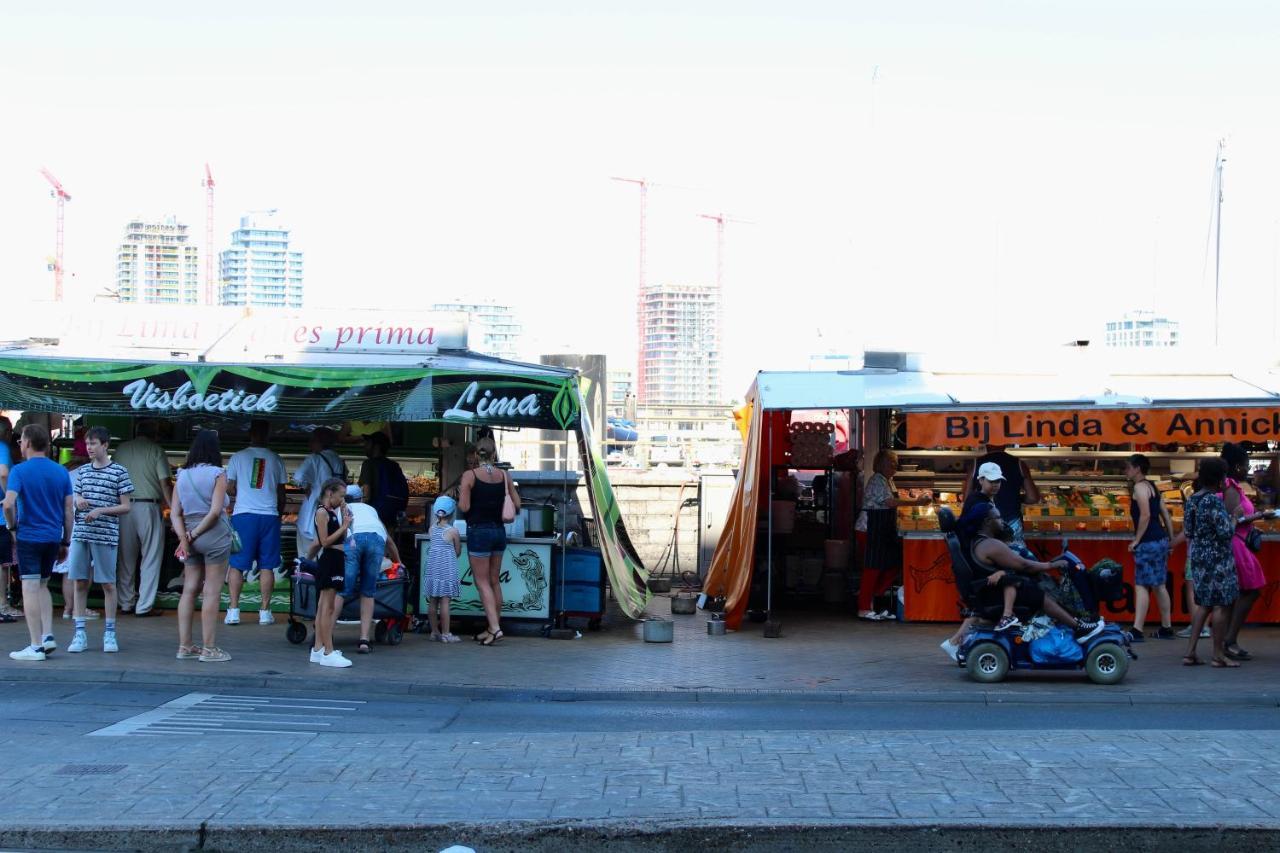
column 988, row 656
column 390, row 603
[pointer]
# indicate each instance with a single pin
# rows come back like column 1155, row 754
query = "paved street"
column 169, row 765
column 823, row 657
column 841, row 735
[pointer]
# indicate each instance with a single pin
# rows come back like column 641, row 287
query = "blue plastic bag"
column 1058, row 646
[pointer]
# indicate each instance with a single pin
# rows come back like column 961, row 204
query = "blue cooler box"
column 579, row 590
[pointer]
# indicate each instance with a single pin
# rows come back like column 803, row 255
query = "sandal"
column 1221, row 663
column 483, row 636
column 493, row 638
column 363, row 646
column 1238, row 654
column 1191, row 660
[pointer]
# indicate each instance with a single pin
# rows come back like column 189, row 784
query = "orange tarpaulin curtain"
column 734, row 558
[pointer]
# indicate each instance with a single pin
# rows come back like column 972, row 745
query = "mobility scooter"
column 989, row 655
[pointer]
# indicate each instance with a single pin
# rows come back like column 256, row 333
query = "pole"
column 769, row 553
column 1217, row 249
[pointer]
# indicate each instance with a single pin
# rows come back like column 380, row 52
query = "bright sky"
column 1016, row 169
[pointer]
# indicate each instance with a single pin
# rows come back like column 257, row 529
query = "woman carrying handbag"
column 488, row 497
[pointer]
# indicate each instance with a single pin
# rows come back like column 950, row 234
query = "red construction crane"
column 62, row 197
column 208, row 236
column 720, row 219
column 644, row 202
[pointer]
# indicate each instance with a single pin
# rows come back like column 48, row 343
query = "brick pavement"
column 821, row 656
column 473, row 784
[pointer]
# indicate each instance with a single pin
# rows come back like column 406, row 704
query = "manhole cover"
column 90, row 769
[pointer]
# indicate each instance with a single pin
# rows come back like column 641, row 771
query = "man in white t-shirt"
column 323, row 464
column 255, row 480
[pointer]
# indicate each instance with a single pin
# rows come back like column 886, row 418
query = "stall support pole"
column 769, row 545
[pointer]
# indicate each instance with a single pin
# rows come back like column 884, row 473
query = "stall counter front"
column 526, row 579
column 929, row 587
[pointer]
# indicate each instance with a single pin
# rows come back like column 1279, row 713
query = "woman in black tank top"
column 481, row 495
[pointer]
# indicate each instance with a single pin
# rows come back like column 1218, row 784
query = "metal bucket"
column 715, row 626
column 683, row 605
column 658, row 630
column 539, row 519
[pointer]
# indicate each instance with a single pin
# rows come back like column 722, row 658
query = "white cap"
column 355, row 493
column 990, row 471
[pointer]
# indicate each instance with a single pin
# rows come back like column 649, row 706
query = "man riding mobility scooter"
column 988, row 654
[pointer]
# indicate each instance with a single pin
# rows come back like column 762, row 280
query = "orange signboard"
column 1093, row 426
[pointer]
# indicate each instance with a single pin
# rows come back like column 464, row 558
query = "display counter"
column 930, row 592
column 526, row 579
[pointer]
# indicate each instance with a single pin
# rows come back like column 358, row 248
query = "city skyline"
column 902, row 180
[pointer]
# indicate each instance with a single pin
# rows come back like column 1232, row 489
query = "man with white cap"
column 1016, row 486
column 989, row 483
column 367, row 545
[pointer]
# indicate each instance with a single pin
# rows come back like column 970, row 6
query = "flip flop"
column 1191, row 660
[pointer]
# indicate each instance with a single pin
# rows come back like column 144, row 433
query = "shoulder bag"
column 508, row 506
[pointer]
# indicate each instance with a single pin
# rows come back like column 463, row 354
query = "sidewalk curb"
column 633, row 835
column 339, row 684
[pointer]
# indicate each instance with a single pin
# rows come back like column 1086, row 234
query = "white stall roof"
column 923, row 390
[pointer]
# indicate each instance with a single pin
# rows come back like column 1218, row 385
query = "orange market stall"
column 1073, row 422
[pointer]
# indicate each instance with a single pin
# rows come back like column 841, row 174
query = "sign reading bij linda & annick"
column 1112, row 426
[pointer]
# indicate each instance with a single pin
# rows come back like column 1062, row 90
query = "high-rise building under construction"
column 680, row 349
column 156, row 264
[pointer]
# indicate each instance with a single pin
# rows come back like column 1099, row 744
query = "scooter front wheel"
column 1107, row 663
column 987, row 663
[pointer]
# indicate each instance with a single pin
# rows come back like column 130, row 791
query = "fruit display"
column 423, row 485
column 1082, row 509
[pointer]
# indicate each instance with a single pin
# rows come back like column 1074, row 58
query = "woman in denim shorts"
column 480, row 496
column 199, row 518
column 1150, row 548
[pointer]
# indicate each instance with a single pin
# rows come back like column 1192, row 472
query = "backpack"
column 393, row 489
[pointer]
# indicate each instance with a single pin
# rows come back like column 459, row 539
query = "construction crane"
column 62, row 197
column 720, row 219
column 644, row 203
column 208, row 236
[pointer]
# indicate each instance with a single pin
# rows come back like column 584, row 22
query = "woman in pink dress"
column 1248, row 567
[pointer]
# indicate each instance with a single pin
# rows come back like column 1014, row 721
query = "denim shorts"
column 364, row 562
column 485, row 540
column 36, row 559
column 1151, row 563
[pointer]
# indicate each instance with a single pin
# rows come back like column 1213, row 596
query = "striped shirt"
column 101, row 487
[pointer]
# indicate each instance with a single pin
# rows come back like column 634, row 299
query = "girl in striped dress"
column 442, row 569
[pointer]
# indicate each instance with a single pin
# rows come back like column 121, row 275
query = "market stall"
column 1073, row 423
column 411, row 376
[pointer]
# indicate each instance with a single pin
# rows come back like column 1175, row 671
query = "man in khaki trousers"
column 142, row 529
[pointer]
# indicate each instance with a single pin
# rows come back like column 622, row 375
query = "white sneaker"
column 952, row 650
column 109, row 643
column 79, row 643
column 49, row 644
column 336, row 659
column 233, row 616
column 316, row 654
column 28, row 653
column 265, row 618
